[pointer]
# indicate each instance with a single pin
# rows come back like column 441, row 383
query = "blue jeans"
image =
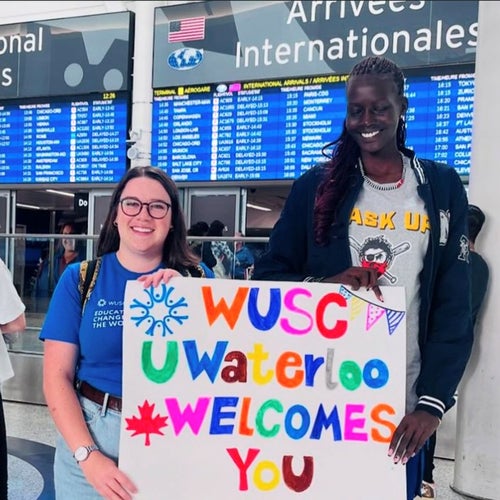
column 69, row 480
column 414, row 474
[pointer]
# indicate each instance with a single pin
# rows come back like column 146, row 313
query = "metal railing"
column 31, row 258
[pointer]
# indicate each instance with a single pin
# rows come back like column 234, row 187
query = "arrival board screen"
column 275, row 129
column 64, row 140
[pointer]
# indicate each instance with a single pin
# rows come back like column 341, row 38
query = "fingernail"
column 390, row 452
column 404, row 461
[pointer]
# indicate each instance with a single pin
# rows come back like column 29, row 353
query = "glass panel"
column 39, row 260
column 229, row 258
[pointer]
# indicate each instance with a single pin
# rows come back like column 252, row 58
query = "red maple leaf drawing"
column 146, row 424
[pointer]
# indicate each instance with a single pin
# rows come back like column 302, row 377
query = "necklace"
column 390, row 186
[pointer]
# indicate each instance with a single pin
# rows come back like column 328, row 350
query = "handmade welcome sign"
column 249, row 389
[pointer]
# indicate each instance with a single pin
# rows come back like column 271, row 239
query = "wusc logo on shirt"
column 185, row 58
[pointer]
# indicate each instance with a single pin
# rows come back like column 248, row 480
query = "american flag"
column 185, row 30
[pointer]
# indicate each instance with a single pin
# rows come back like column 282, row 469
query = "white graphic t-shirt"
column 389, row 230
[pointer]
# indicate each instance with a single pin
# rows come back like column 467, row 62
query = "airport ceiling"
column 45, row 200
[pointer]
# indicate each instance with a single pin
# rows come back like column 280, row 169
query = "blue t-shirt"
column 98, row 333
column 208, row 272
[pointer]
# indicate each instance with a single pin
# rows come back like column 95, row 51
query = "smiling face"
column 373, row 111
column 142, row 235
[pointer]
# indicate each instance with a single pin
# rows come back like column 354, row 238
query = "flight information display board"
column 275, row 129
column 64, row 140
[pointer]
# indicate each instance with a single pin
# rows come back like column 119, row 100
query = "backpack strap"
column 194, row 272
column 201, row 271
column 89, row 269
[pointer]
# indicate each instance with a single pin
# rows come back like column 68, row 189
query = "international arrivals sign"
column 202, row 42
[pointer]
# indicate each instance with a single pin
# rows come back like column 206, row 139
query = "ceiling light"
column 62, row 193
column 258, row 207
column 23, row 205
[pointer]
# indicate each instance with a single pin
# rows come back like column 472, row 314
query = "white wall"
column 477, row 455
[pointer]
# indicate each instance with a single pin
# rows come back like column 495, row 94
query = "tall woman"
column 144, row 233
column 375, row 214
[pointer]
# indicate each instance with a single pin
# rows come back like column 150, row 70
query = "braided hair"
column 340, row 168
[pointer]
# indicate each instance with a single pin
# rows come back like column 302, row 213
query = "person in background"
column 224, row 256
column 202, row 248
column 12, row 320
column 68, row 251
column 480, row 273
column 144, row 238
column 374, row 214
column 244, row 259
column 479, row 283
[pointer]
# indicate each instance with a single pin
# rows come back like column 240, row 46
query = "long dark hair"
column 340, row 168
column 176, row 252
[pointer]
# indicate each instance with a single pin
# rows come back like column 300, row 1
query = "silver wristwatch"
column 83, row 452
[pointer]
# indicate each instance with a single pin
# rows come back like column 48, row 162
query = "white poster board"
column 237, row 389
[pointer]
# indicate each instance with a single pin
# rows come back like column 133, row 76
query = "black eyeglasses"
column 156, row 209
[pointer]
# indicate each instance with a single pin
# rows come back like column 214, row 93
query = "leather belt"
column 99, row 397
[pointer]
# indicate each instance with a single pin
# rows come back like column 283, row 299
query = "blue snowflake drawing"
column 159, row 311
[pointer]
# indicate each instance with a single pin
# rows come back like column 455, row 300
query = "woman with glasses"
column 143, row 237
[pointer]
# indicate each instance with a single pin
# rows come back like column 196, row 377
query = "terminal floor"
column 31, row 437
